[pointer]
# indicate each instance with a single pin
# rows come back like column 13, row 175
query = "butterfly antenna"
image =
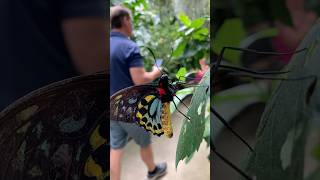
column 226, row 124
column 154, row 58
column 187, row 85
column 188, row 118
column 234, row 167
column 253, row 71
column 220, row 57
column 272, row 78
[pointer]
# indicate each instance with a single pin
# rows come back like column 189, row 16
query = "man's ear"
column 126, row 19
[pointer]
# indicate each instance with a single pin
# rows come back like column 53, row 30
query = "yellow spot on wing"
column 96, row 140
column 149, row 98
column 27, row 113
column 118, row 97
column 92, row 169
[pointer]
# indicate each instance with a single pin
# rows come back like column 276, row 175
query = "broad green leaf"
column 184, row 19
column 281, row 137
column 191, row 134
column 197, row 23
column 231, row 34
column 181, row 74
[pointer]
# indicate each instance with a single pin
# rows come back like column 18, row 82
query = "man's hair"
column 117, row 13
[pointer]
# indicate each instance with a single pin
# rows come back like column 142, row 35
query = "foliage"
column 282, row 133
column 251, row 16
column 192, row 131
column 230, row 34
column 157, row 26
column 253, row 12
column 193, row 42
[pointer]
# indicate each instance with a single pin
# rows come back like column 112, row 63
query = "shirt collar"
column 119, row 34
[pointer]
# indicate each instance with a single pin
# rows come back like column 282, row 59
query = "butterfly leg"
column 234, row 167
column 188, row 118
column 226, row 124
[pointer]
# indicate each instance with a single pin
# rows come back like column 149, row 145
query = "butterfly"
column 146, row 105
column 57, row 132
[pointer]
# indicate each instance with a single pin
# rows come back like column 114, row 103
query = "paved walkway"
column 165, row 150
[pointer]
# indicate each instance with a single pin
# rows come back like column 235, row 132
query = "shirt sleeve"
column 135, row 58
column 84, row 8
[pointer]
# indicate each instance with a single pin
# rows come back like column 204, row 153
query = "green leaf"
column 197, row 23
column 184, row 19
column 189, row 31
column 181, row 74
column 281, row 137
column 231, row 34
column 192, row 131
column 180, row 48
column 201, row 34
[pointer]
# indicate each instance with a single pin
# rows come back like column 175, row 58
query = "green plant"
column 181, row 42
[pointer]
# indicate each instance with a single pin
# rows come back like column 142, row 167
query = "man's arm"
column 86, row 40
column 140, row 76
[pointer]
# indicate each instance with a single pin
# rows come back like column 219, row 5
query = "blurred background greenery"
column 274, row 26
column 176, row 30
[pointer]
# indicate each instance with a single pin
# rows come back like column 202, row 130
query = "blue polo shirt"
column 124, row 54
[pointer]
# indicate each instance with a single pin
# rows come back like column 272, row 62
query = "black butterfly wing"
column 57, row 132
column 138, row 104
column 124, row 103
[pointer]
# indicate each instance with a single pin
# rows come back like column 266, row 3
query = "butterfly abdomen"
column 166, row 120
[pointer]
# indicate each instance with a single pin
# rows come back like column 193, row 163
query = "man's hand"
column 140, row 76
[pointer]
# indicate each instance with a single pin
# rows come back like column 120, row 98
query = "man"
column 127, row 70
column 49, row 40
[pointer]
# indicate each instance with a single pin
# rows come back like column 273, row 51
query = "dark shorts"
column 121, row 131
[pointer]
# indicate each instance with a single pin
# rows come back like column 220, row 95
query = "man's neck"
column 120, row 31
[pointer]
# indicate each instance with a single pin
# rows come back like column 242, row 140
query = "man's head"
column 121, row 20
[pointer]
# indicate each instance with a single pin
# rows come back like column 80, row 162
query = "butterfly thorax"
column 165, row 90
